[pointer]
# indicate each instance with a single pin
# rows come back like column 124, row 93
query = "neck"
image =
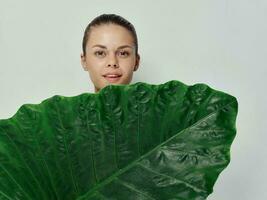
column 96, row 90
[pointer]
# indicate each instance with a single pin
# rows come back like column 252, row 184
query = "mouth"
column 112, row 78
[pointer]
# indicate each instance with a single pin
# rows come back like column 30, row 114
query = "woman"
column 110, row 51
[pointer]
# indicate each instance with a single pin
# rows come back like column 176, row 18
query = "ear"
column 83, row 62
column 137, row 62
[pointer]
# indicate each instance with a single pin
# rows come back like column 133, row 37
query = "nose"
column 115, row 65
column 112, row 61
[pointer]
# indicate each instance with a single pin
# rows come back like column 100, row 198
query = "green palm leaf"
column 139, row 141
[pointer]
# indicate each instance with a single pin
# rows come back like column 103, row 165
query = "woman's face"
column 110, row 56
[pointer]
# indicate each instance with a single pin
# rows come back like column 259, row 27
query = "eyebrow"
column 104, row 47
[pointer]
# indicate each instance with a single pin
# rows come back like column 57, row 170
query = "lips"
column 112, row 77
column 112, row 74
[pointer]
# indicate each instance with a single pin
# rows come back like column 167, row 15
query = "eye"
column 99, row 53
column 123, row 53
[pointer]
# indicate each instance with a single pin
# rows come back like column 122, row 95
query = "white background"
column 218, row 42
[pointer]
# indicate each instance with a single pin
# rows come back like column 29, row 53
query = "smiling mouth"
column 112, row 78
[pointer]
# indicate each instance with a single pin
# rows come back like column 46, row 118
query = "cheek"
column 127, row 65
column 93, row 61
column 95, row 66
column 127, row 77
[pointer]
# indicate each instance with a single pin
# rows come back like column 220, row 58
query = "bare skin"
column 114, row 61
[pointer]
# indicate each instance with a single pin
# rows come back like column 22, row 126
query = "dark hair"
column 107, row 19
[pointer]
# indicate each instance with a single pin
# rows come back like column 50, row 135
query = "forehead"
column 110, row 34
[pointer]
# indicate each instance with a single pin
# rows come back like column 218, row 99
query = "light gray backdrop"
column 218, row 42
